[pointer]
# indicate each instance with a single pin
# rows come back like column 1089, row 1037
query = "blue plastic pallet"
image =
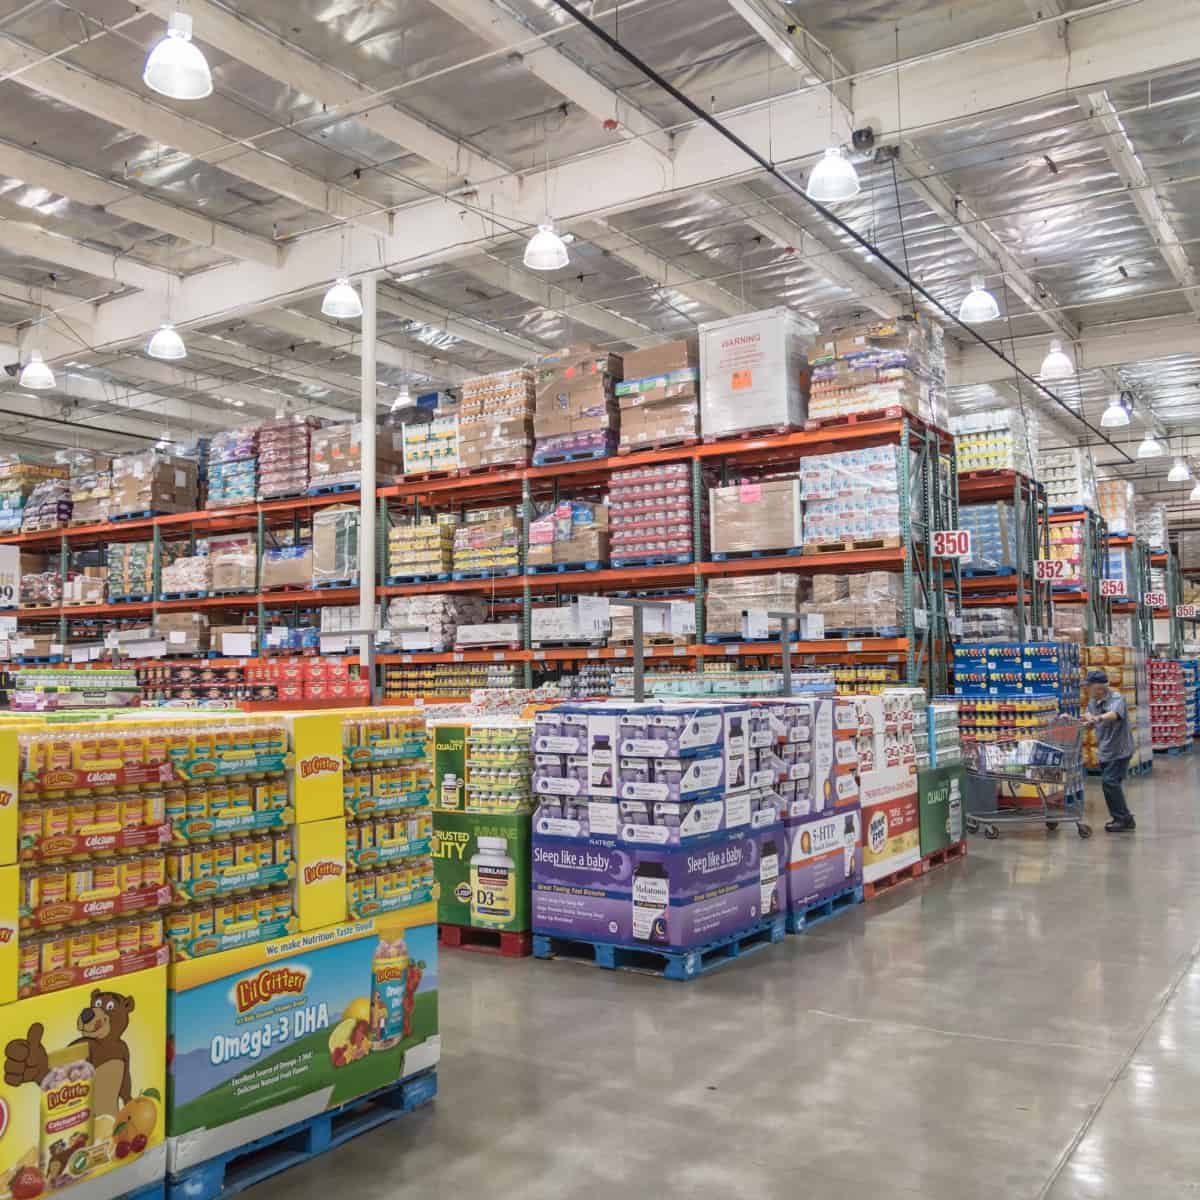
column 398, row 580
column 142, row 515
column 235, row 1171
column 565, row 568
column 569, row 456
column 728, row 556
column 654, row 560
column 1174, row 751
column 669, row 964
column 1069, row 508
column 503, row 573
column 987, row 572
column 335, row 583
column 185, row 595
column 333, row 489
column 152, row 1191
column 38, row 659
column 882, row 631
column 805, row 918
column 729, row 639
column 132, row 598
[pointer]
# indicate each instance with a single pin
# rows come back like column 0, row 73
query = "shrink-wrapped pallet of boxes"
column 728, row 597
column 756, row 515
column 335, row 456
column 575, row 413
column 1116, row 503
column 153, row 482
column 1002, row 439
column 495, row 420
column 284, row 445
column 569, row 533
column 659, row 397
column 1068, row 476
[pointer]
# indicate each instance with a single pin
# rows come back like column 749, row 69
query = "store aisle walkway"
column 1023, row 1024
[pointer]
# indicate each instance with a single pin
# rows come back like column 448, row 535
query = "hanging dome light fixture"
column 342, row 301
column 166, row 343
column 546, row 251
column 176, row 67
column 833, row 179
column 1179, row 472
column 978, row 304
column 36, row 374
column 403, row 398
column 1195, row 492
column 1149, row 448
column 1116, row 414
column 1057, row 364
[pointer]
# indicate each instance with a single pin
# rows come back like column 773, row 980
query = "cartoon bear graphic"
column 102, row 1027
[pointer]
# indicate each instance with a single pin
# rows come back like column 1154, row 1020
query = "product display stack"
column 756, row 516
column 18, row 479
column 993, row 535
column 91, row 487
column 495, row 420
column 1114, row 497
column 483, row 801
column 153, row 483
column 432, row 622
column 659, row 397
column 575, row 412
column 453, row 680
column 852, row 499
column 335, row 546
column 1169, row 728
column 232, row 468
column 49, row 506
column 487, row 543
column 651, row 515
column 1069, row 477
column 1017, row 670
column 650, row 842
column 420, row 550
column 335, row 457
column 571, row 533
column 728, row 597
column 431, row 444
column 284, row 446
column 996, row 440
column 870, row 604
column 1191, row 686
column 130, row 571
column 1152, row 524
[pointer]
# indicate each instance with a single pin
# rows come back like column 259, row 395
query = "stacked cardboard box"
column 48, row 506
column 284, row 446
column 41, row 588
column 183, row 632
column 18, row 477
column 575, row 410
column 996, row 440
column 440, row 615
column 421, row 547
column 153, row 482
column 852, row 496
column 488, row 540
column 1115, row 500
column 286, row 567
column 569, row 532
column 89, row 586
column 335, row 545
column 1069, row 477
column 650, row 514
column 430, row 445
column 993, row 533
column 1151, row 524
column 91, row 488
column 232, row 468
column 867, row 602
column 234, row 561
column 335, row 455
column 495, row 420
column 130, row 570
column 659, row 397
column 729, row 597
column 188, row 573
column 756, row 515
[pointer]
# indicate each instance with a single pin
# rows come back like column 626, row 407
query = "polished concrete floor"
column 1025, row 1023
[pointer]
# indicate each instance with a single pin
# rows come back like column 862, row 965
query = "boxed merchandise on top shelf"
column 853, row 497
column 754, row 515
column 880, row 365
column 91, row 487
column 429, row 434
column 335, row 546
column 983, row 624
column 232, row 468
column 754, row 372
column 1069, row 477
column 659, row 397
column 421, row 547
column 335, row 456
column 152, row 482
column 993, row 534
column 233, row 562
column 1003, row 439
column 18, row 478
column 49, row 507
column 568, row 533
column 1151, row 524
column 488, row 542
column 1115, row 499
column 1187, row 548
column 576, row 413
column 1067, row 545
column 869, row 603
column 87, row 586
column 284, row 446
column 286, row 567
column 651, row 514
column 41, row 589
column 495, row 419
column 728, row 597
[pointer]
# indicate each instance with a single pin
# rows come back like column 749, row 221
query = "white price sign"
column 10, row 576
column 1155, row 599
column 683, row 618
column 1047, row 570
column 592, row 615
column 655, row 620
column 754, row 624
column 1186, row 612
column 952, row 543
column 1112, row 587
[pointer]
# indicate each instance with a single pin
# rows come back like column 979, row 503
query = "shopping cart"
column 1047, row 765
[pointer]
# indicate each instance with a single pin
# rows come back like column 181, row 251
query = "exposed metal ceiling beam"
column 248, row 43
column 827, row 258
column 96, row 192
column 127, row 110
column 1150, row 208
column 349, row 341
column 659, row 270
column 555, row 299
column 557, row 70
column 206, row 390
column 457, row 325
column 279, row 366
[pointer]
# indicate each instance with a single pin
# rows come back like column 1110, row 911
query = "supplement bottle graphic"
column 451, row 791
column 849, row 845
column 651, row 899
column 493, row 884
column 389, row 977
column 768, row 877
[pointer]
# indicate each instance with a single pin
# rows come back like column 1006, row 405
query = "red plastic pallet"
column 486, row 941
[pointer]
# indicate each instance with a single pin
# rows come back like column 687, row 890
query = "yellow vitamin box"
column 10, row 894
column 82, row 1087
column 10, row 782
column 320, row 883
column 316, row 781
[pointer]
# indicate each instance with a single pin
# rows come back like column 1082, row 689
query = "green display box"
column 485, row 890
column 940, row 799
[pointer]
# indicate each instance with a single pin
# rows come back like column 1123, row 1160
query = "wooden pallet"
column 662, row 444
column 901, row 875
column 747, row 435
column 503, row 942
column 888, row 543
column 859, row 418
column 653, row 639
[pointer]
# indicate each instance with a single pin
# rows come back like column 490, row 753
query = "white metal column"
column 367, row 618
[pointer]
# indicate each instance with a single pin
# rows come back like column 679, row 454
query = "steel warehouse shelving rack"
column 927, row 484
column 1019, row 588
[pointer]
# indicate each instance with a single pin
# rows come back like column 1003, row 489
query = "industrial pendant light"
column 833, row 179
column 176, row 67
column 546, row 251
column 1179, row 472
column 1195, row 493
column 1149, row 448
column 1057, row 364
column 979, row 304
column 1115, row 415
column 166, row 343
column 164, row 440
column 342, row 301
column 403, row 398
column 36, row 374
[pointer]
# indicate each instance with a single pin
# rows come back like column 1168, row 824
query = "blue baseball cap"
column 1097, row 677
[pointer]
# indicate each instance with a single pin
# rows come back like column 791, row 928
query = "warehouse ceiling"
column 1047, row 145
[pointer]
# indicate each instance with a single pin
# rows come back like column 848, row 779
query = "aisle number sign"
column 1186, row 612
column 1155, row 599
column 1112, row 587
column 1048, row 570
column 952, row 543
